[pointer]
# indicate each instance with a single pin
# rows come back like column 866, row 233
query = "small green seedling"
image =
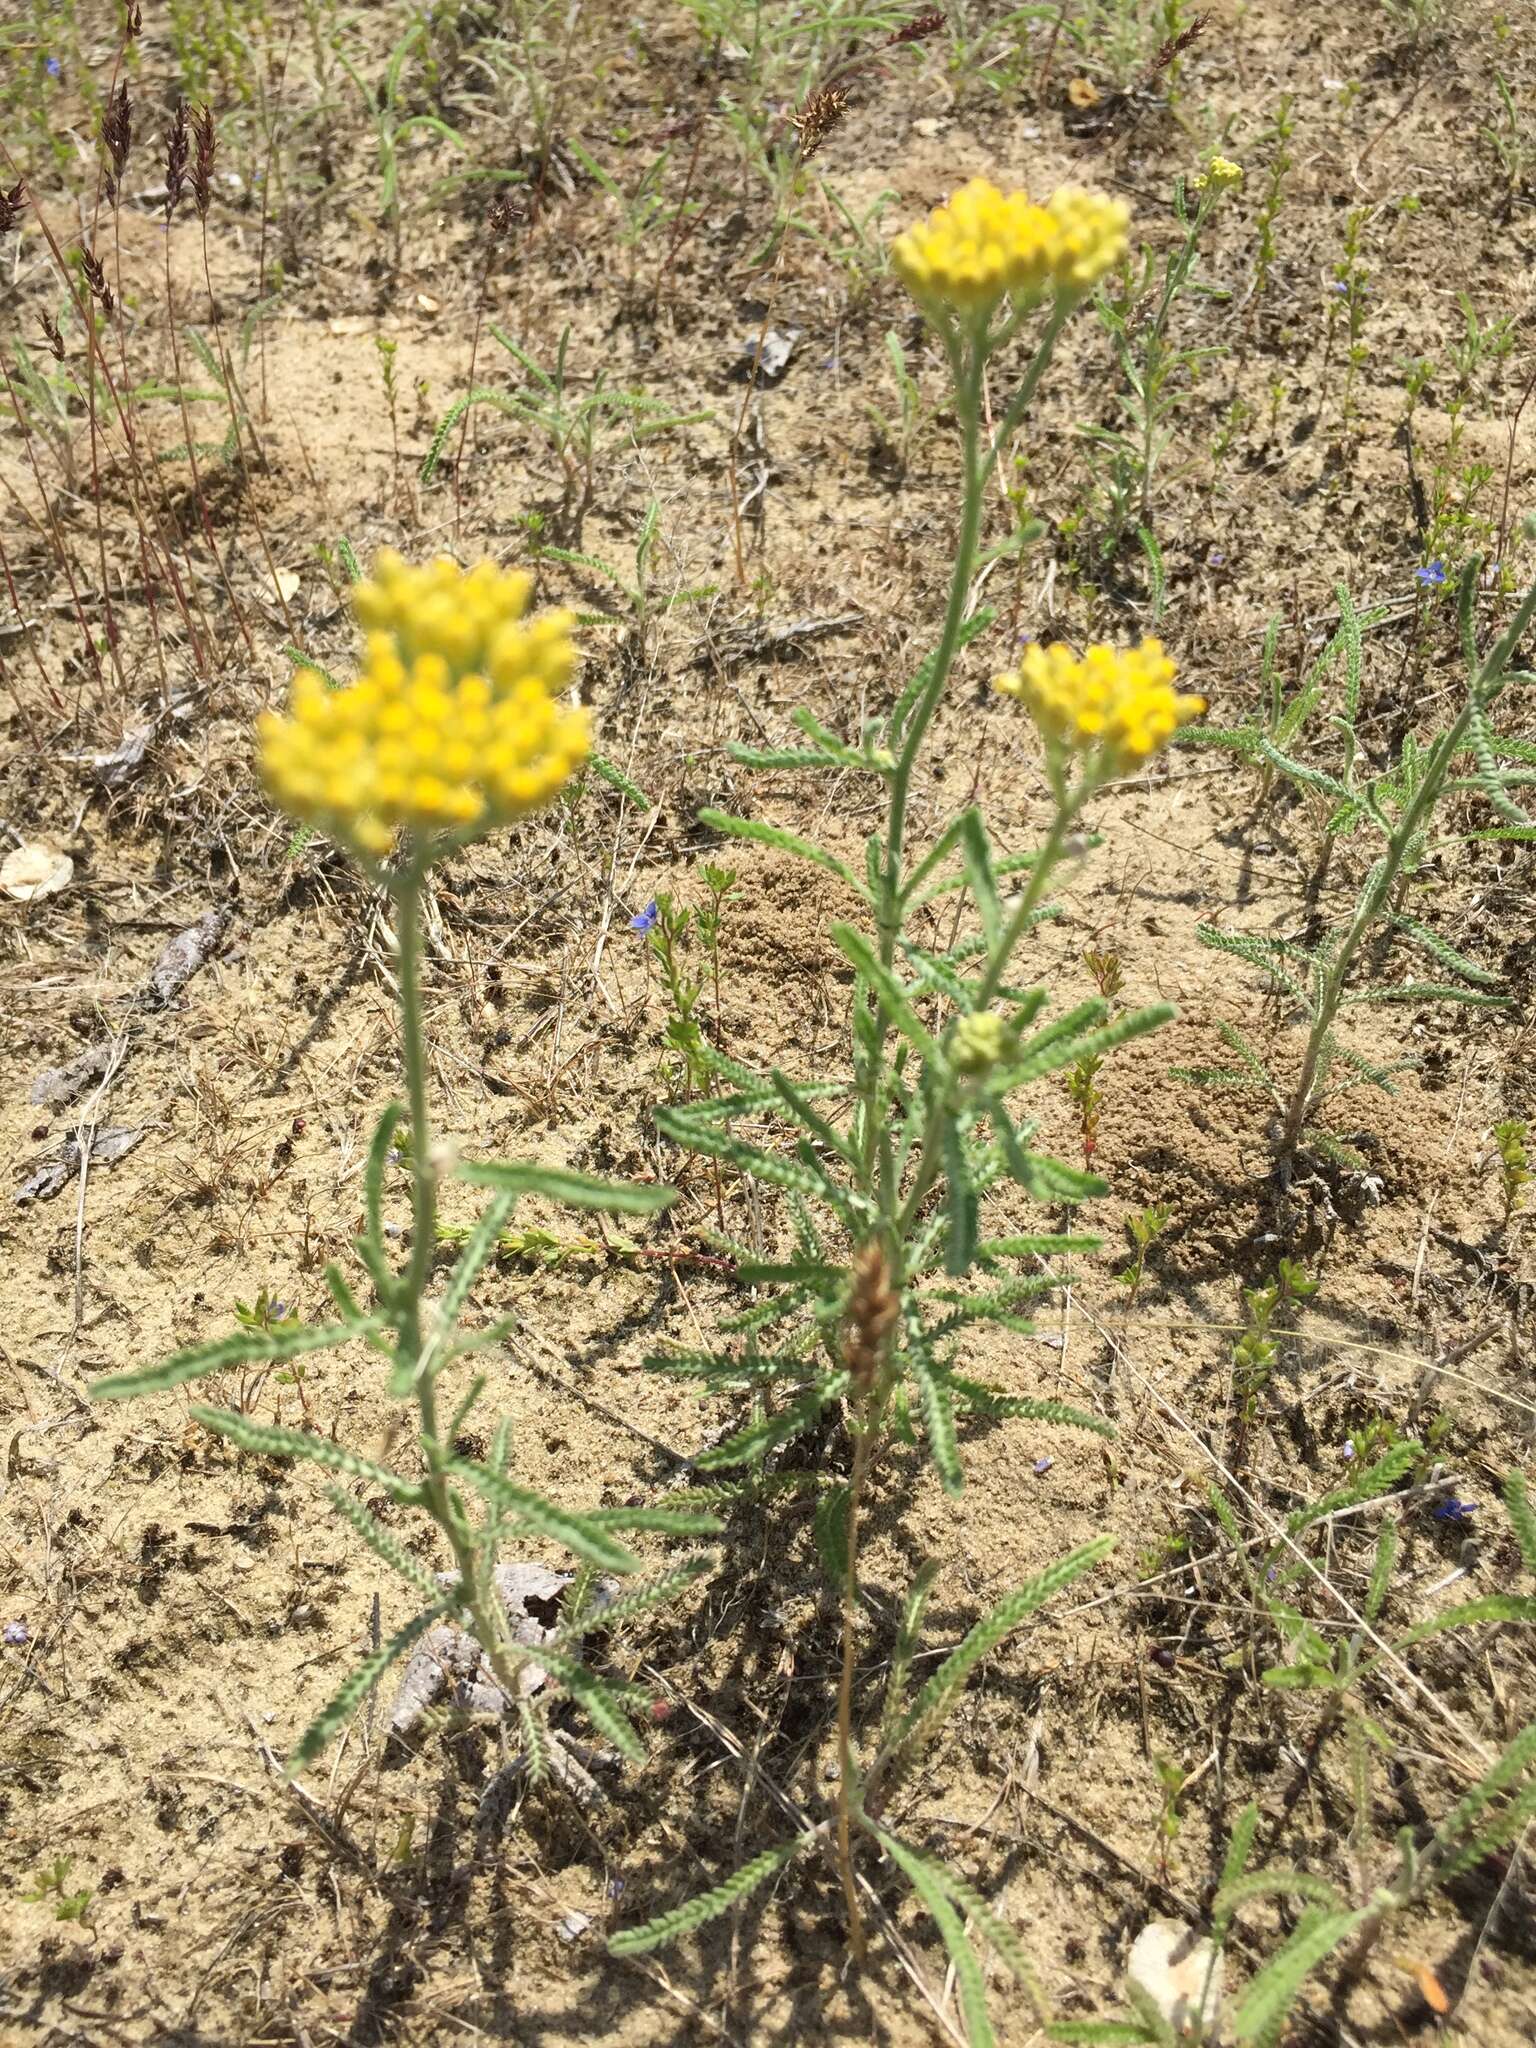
column 1145, row 1228
column 52, row 1883
column 1511, row 1137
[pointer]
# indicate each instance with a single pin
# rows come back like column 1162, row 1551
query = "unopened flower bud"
column 980, row 1042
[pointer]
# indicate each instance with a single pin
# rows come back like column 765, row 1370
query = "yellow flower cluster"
column 984, row 244
column 454, row 723
column 981, row 1041
column 1220, row 174
column 1119, row 701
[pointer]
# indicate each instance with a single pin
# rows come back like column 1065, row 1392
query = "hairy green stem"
column 1482, row 686
column 930, row 1146
column 863, row 1444
column 968, row 374
column 968, row 355
column 413, row 1348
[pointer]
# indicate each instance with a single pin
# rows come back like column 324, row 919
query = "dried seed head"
column 918, row 31
column 202, row 168
column 117, row 135
column 873, row 1306
column 54, row 338
column 13, row 205
column 1175, row 47
column 133, row 22
column 818, row 117
column 176, row 159
column 502, row 217
column 96, row 279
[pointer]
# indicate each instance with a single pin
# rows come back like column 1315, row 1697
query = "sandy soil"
column 188, row 1609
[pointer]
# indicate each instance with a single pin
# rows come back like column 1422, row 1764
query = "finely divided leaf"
column 1271, row 1994
column 480, row 1246
column 637, row 1941
column 269, row 1440
column 576, row 1190
column 939, row 1695
column 360, row 1684
column 925, row 1881
column 245, row 1347
column 581, row 1537
column 770, row 1431
column 786, row 842
column 384, row 1543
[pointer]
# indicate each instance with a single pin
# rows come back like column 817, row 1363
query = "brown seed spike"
column 13, row 205
column 1175, row 47
column 54, row 338
column 134, row 24
column 918, row 31
column 202, row 169
column 176, row 159
column 818, row 117
column 117, row 130
column 873, row 1306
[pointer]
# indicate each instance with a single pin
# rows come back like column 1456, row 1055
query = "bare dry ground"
column 188, row 1609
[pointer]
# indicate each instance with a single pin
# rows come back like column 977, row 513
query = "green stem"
column 437, row 1494
column 862, row 1448
column 1482, row 687
column 930, row 1148
column 968, row 354
column 406, row 888
column 969, row 360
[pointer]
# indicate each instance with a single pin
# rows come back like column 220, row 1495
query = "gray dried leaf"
column 180, row 958
column 128, row 755
column 446, row 1659
column 55, row 1086
column 570, row 1763
column 54, row 1173
column 449, row 1668
column 771, row 361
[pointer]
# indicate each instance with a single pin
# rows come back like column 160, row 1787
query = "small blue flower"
column 1430, row 574
column 17, row 1634
column 645, row 920
column 1454, row 1510
column 53, row 67
column 1216, row 559
column 1042, row 1466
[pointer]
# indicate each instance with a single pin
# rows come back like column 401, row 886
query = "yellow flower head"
column 983, row 245
column 981, row 1041
column 1120, row 702
column 1219, row 175
column 454, row 723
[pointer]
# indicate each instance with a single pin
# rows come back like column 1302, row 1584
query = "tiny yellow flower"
column 1219, row 175
column 454, row 724
column 980, row 1042
column 983, row 245
column 1119, row 702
